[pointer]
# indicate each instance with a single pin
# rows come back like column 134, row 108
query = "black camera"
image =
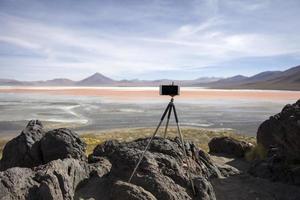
column 171, row 90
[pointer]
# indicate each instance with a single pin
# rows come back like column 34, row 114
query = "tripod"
column 168, row 110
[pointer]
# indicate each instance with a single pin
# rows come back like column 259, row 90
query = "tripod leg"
column 143, row 154
column 183, row 148
column 168, row 119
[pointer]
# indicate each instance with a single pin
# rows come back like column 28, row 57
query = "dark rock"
column 227, row 170
column 163, row 171
column 211, row 169
column 50, row 189
column 230, row 146
column 17, row 183
column 24, row 150
column 275, row 170
column 162, row 174
column 280, row 136
column 126, row 191
column 34, row 147
column 295, row 174
column 56, row 180
column 282, row 131
column 62, row 143
column 204, row 189
column 100, row 168
column 60, row 178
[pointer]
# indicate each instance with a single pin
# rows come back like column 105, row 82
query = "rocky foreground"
column 53, row 165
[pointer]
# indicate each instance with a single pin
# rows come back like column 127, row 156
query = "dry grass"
column 2, row 144
column 259, row 152
column 200, row 137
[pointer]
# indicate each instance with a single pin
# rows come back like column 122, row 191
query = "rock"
column 227, row 170
column 24, row 150
column 204, row 189
column 63, row 172
column 282, row 131
column 295, row 174
column 211, row 169
column 34, row 147
column 17, row 183
column 126, row 191
column 100, row 168
column 60, row 178
column 62, row 143
column 162, row 174
column 56, row 180
column 228, row 145
column 50, row 189
column 274, row 169
column 280, row 136
column 163, row 171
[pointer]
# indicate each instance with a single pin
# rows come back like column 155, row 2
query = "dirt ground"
column 246, row 187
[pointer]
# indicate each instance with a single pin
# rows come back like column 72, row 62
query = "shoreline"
column 144, row 93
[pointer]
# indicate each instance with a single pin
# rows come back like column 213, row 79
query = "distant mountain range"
column 98, row 79
column 274, row 80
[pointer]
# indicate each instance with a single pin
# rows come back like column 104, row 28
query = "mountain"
column 264, row 76
column 228, row 81
column 96, row 79
column 207, row 79
column 274, row 80
column 10, row 82
column 53, row 82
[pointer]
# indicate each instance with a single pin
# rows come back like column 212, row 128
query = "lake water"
column 88, row 113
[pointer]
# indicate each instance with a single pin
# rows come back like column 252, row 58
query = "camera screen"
column 171, row 90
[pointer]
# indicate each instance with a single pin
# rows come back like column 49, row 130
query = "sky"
column 147, row 39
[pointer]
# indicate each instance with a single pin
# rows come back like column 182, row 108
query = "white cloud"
column 144, row 41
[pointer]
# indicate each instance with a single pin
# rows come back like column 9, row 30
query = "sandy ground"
column 131, row 93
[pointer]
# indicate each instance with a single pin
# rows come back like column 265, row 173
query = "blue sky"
column 147, row 39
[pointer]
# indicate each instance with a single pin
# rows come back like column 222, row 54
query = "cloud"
column 141, row 37
column 248, row 6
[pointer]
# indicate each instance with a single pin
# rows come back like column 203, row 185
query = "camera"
column 170, row 90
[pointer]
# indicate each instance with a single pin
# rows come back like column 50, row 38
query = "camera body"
column 170, row 90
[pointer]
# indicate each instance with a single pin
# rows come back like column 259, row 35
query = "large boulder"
column 34, row 147
column 280, row 136
column 163, row 172
column 282, row 131
column 276, row 168
column 62, row 143
column 58, row 179
column 229, row 145
column 24, row 150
